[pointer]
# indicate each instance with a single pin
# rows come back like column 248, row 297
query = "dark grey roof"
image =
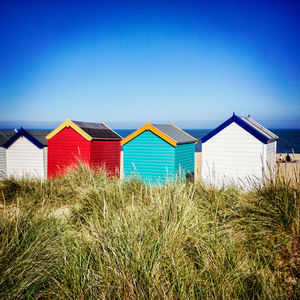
column 176, row 134
column 5, row 135
column 270, row 135
column 40, row 135
column 98, row 130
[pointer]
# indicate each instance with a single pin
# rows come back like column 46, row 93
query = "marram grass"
column 86, row 236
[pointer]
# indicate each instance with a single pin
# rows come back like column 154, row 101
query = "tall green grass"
column 86, row 236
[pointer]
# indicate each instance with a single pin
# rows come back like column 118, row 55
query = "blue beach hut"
column 158, row 152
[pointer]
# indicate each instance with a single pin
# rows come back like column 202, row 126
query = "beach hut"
column 5, row 135
column 93, row 143
column 26, row 153
column 237, row 150
column 157, row 152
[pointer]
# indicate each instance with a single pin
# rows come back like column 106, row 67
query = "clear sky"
column 125, row 62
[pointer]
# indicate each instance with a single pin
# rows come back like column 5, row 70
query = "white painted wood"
column 2, row 162
column 270, row 163
column 25, row 159
column 45, row 158
column 232, row 157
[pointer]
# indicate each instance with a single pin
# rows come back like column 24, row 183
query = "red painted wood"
column 64, row 149
column 106, row 154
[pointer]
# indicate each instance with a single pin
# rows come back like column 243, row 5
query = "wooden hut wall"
column 3, row 170
column 64, row 150
column 149, row 157
column 25, row 159
column 106, row 154
column 232, row 154
column 185, row 158
column 270, row 159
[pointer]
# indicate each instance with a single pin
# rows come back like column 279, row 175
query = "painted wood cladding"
column 106, row 154
column 154, row 160
column 185, row 158
column 270, row 158
column 2, row 162
column 64, row 149
column 67, row 146
column 233, row 155
column 149, row 157
column 45, row 161
column 25, row 159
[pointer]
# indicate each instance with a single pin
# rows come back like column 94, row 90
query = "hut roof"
column 180, row 136
column 270, row 135
column 168, row 132
column 40, row 135
column 90, row 131
column 5, row 135
column 98, row 130
column 247, row 123
column 36, row 136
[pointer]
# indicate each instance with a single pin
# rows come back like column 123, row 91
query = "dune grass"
column 86, row 236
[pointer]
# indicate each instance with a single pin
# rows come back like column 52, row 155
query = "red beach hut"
column 93, row 143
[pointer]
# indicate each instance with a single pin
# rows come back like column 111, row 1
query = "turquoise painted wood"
column 154, row 160
column 149, row 157
column 184, row 159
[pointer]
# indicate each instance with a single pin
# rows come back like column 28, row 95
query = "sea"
column 288, row 142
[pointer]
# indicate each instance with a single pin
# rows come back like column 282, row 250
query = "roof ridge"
column 245, row 124
column 154, row 130
column 255, row 123
column 111, row 129
column 163, row 132
column 184, row 131
column 88, row 130
column 25, row 133
column 69, row 123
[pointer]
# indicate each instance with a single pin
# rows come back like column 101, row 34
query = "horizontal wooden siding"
column 2, row 162
column 185, row 158
column 270, row 158
column 24, row 159
column 106, row 154
column 231, row 156
column 149, row 157
column 64, row 149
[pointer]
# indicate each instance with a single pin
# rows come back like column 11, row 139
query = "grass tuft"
column 86, row 235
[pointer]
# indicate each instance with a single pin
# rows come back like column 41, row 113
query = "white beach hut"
column 5, row 135
column 237, row 150
column 26, row 154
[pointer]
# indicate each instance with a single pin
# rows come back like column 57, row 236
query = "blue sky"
column 191, row 62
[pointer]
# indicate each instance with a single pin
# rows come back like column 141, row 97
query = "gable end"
column 24, row 133
column 254, row 132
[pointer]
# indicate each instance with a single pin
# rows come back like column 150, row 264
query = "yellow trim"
column 68, row 123
column 196, row 141
column 153, row 129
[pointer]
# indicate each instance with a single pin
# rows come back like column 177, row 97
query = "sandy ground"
column 290, row 169
column 198, row 165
